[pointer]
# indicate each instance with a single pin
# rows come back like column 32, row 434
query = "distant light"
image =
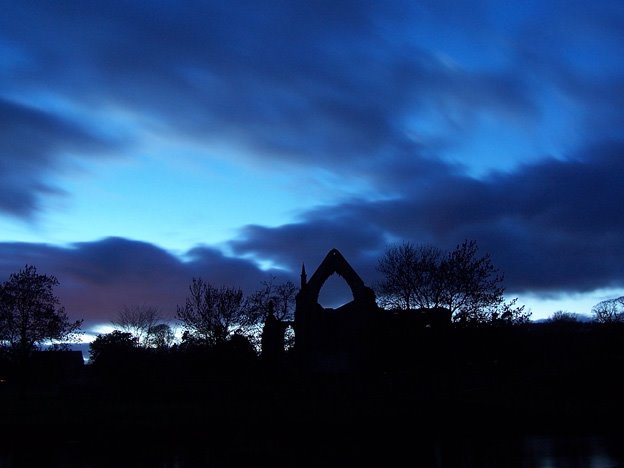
column 103, row 329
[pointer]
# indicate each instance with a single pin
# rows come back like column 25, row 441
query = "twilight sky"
column 143, row 143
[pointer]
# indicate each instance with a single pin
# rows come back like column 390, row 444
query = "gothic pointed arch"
column 334, row 338
column 334, row 262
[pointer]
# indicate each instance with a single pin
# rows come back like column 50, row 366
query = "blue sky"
column 145, row 143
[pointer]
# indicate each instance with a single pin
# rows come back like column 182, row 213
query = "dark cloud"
column 98, row 278
column 376, row 92
column 332, row 84
column 554, row 226
column 33, row 144
column 572, row 55
column 349, row 87
column 309, row 241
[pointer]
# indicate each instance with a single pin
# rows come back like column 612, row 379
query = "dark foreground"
column 531, row 397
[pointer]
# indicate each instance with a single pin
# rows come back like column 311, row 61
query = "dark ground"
column 452, row 398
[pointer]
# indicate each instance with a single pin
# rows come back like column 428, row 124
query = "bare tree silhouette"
column 213, row 314
column 282, row 296
column 30, row 313
column 609, row 311
column 462, row 281
column 138, row 320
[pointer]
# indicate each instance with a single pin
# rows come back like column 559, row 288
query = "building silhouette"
column 350, row 337
column 334, row 339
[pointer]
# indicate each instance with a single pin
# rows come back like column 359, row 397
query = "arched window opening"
column 335, row 292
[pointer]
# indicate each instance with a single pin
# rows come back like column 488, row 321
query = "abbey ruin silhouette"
column 347, row 337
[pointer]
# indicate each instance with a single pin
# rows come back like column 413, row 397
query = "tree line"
column 461, row 281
